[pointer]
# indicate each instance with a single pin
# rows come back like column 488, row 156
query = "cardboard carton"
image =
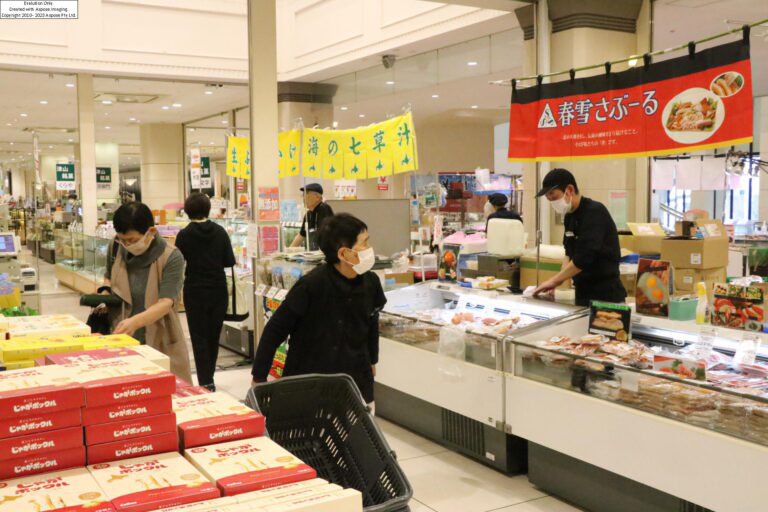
column 152, row 483
column 18, row 365
column 37, row 423
column 131, row 448
column 248, row 465
column 708, row 252
column 108, row 341
column 216, row 505
column 144, row 351
column 121, row 411
column 42, row 463
column 686, row 278
column 73, row 490
column 547, row 268
column 214, row 418
column 645, row 239
column 123, row 379
column 38, row 390
column 315, row 483
column 46, row 326
column 130, row 429
column 43, row 442
column 348, row 500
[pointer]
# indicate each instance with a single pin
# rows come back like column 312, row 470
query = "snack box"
column 42, row 442
column 73, row 490
column 46, row 326
column 120, row 411
column 348, row 500
column 29, row 349
column 40, row 361
column 130, row 429
column 37, row 423
column 81, row 356
column 248, row 465
column 108, row 341
column 152, row 483
column 216, row 505
column 38, row 390
column 42, row 463
column 130, row 448
column 181, row 384
column 190, row 391
column 214, row 418
column 122, row 379
column 283, row 494
column 18, row 365
column 265, row 493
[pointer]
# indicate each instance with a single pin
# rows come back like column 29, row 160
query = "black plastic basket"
column 323, row 420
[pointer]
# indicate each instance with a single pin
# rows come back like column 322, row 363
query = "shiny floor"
column 442, row 480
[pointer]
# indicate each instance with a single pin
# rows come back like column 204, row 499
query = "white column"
column 87, row 151
column 162, row 164
column 543, row 33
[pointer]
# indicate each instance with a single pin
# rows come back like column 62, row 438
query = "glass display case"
column 81, row 260
column 237, row 229
column 69, row 249
column 95, row 256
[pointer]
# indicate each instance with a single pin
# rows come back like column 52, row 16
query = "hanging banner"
column 293, row 153
column 103, row 178
column 312, row 157
column 205, row 173
column 194, row 167
column 65, row 177
column 238, row 157
column 690, row 103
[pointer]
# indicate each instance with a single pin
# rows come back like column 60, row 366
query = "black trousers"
column 606, row 290
column 205, row 309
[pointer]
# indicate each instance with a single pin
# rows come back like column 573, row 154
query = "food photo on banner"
column 699, row 101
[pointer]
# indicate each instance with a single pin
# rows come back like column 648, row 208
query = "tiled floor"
column 442, row 480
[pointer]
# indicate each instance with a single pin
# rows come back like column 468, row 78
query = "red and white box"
column 348, row 500
column 315, row 483
column 38, row 390
column 152, row 483
column 122, row 379
column 130, row 429
column 73, row 490
column 261, row 499
column 44, row 442
column 132, row 448
column 214, row 418
column 42, row 463
column 37, row 423
column 126, row 411
column 248, row 465
column 217, row 505
column 83, row 356
column 191, row 391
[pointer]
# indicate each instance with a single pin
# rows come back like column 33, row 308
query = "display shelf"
column 81, row 260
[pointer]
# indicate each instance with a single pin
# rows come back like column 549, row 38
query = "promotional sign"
column 738, row 307
column 238, row 157
column 610, row 319
column 269, row 203
column 652, row 290
column 205, row 173
column 194, row 167
column 65, row 177
column 103, row 178
column 699, row 101
column 289, row 153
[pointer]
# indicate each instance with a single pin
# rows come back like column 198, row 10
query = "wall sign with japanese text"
column 239, row 157
column 691, row 103
column 103, row 178
column 65, row 177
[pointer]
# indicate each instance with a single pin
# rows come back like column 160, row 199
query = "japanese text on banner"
column 238, row 157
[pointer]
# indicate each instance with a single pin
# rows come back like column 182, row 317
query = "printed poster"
column 269, row 203
column 652, row 290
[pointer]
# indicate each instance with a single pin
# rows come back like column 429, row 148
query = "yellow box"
column 18, row 365
column 23, row 349
column 108, row 341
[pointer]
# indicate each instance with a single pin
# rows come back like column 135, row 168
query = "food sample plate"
column 73, row 490
column 214, row 418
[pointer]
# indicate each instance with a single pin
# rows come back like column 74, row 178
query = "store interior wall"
column 455, row 146
column 162, row 164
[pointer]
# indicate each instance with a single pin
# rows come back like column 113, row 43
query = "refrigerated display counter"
column 440, row 370
column 607, row 432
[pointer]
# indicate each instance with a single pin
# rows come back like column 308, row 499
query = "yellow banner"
column 402, row 138
column 282, row 153
column 312, row 157
column 238, row 157
column 333, row 159
column 293, row 153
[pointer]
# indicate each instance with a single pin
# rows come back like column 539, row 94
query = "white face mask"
column 140, row 247
column 561, row 206
column 367, row 259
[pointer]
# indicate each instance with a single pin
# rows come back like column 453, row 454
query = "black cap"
column 556, row 178
column 313, row 187
column 498, row 199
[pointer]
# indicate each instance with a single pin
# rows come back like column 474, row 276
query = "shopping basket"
column 323, row 420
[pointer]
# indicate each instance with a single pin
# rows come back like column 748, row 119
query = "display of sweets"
column 213, row 418
column 73, row 490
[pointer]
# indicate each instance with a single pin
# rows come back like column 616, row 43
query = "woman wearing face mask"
column 147, row 273
column 332, row 314
column 591, row 242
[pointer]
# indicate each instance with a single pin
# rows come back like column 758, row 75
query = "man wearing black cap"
column 317, row 212
column 499, row 204
column 591, row 242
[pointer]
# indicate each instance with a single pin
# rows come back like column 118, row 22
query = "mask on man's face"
column 562, row 205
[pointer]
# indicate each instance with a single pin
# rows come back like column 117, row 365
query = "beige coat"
column 165, row 335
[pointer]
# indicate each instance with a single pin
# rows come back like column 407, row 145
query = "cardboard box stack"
column 128, row 409
column 238, row 467
column 40, row 422
column 213, row 418
column 698, row 259
column 73, row 490
column 152, row 483
column 645, row 239
column 144, row 351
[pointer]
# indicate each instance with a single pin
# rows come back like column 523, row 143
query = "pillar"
column 761, row 141
column 86, row 156
column 162, row 164
column 108, row 155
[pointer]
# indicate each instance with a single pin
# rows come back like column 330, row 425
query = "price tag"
column 272, row 292
column 695, row 258
column 281, row 295
column 260, row 290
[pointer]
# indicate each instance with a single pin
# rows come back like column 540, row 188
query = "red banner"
column 691, row 103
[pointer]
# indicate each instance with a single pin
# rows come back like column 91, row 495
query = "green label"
column 104, row 175
column 65, row 177
column 610, row 305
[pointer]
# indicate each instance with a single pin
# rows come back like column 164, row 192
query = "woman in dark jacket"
column 208, row 251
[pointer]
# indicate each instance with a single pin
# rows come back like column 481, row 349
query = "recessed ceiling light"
column 132, row 119
column 361, row 116
column 475, row 106
column 472, row 63
column 23, row 115
column 335, row 124
column 70, row 140
column 224, row 121
column 70, row 85
column 208, row 93
column 176, row 105
column 344, row 108
column 212, row 143
column 166, row 107
column 435, row 96
column 11, row 143
column 191, row 129
column 43, row 102
column 390, row 82
column 8, row 124
column 50, row 147
column 107, row 127
column 106, row 102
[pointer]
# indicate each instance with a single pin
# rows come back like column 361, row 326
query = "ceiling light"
column 107, row 127
column 212, row 143
column 435, row 96
column 191, row 129
column 166, row 107
column 50, row 147
column 344, row 108
column 132, row 119
column 43, row 102
column 208, row 93
column 23, row 115
column 70, row 140
column 224, row 121
column 475, row 106
column 361, row 116
column 11, row 143
column 70, row 85
column 335, row 125
column 472, row 63
column 106, row 102
column 8, row 124
column 632, row 63
column 176, row 105
column 390, row 82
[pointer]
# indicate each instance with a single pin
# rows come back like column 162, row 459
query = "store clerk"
column 332, row 314
column 317, row 212
column 591, row 242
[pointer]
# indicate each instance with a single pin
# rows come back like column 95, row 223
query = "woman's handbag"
column 237, row 311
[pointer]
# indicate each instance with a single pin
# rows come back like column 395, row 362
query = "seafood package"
column 738, row 307
column 131, row 448
column 598, row 348
column 129, row 429
column 248, row 465
column 123, row 379
column 214, row 418
column 152, row 483
column 73, row 490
